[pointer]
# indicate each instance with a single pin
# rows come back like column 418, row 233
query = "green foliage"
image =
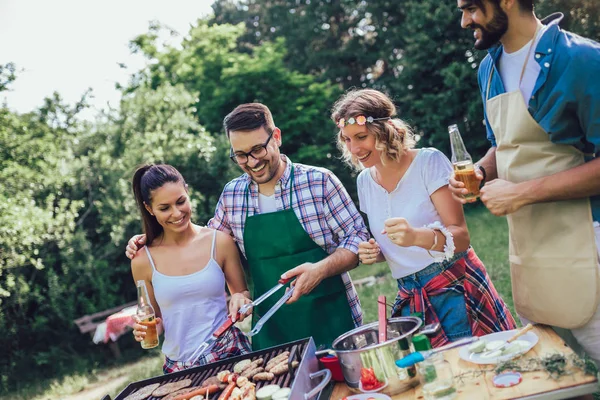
column 7, row 75
column 581, row 16
column 209, row 64
column 414, row 50
column 437, row 82
column 66, row 208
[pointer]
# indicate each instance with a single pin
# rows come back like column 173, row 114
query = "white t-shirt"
column 267, row 204
column 411, row 199
column 511, row 65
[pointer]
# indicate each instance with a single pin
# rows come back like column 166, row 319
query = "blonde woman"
column 417, row 226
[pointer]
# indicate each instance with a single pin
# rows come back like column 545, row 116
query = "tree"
column 209, row 63
column 414, row 50
column 7, row 75
column 66, row 210
column 581, row 16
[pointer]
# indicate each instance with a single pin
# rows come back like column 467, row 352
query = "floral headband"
column 360, row 120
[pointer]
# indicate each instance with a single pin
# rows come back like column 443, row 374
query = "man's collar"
column 288, row 170
column 549, row 21
column 552, row 19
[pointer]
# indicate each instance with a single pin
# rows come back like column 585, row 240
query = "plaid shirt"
column 486, row 310
column 321, row 204
column 232, row 344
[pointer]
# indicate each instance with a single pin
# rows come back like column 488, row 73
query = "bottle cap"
column 421, row 342
column 507, row 379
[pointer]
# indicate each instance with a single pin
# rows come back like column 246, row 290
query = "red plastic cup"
column 332, row 363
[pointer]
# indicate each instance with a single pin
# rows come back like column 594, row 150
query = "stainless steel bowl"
column 360, row 348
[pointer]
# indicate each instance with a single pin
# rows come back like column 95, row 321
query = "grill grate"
column 297, row 351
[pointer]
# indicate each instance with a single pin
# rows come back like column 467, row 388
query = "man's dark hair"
column 248, row 117
column 525, row 5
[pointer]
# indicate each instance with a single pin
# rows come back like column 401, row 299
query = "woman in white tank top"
column 186, row 269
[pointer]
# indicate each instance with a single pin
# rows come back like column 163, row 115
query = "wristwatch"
column 482, row 172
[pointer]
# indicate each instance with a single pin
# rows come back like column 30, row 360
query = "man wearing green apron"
column 542, row 110
column 292, row 221
column 289, row 220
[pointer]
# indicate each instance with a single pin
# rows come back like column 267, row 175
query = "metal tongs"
column 246, row 307
column 204, row 347
column 270, row 313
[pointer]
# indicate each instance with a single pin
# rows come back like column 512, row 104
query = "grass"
column 489, row 238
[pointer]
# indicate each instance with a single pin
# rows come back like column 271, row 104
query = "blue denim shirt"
column 566, row 97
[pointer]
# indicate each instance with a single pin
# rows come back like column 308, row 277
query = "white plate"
column 466, row 355
column 368, row 396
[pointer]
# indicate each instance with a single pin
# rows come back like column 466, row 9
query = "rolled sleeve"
column 219, row 220
column 485, row 69
column 345, row 222
column 588, row 109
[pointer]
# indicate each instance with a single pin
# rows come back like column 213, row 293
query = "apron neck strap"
column 292, row 186
column 537, row 29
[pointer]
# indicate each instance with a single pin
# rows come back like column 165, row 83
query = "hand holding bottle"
column 140, row 329
column 145, row 318
column 464, row 169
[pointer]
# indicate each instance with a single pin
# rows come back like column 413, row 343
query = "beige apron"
column 552, row 249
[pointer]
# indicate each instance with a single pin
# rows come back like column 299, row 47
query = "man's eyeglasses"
column 257, row 153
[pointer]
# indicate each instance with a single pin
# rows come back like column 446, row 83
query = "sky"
column 70, row 45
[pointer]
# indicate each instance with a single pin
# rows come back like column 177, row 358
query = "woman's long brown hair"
column 146, row 179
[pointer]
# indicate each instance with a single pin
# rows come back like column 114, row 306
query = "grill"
column 303, row 380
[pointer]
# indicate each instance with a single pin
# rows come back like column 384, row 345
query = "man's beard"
column 494, row 30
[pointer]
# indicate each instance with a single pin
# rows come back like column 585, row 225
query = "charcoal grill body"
column 306, row 381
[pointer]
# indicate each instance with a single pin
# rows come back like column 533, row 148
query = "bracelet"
column 449, row 247
column 435, row 240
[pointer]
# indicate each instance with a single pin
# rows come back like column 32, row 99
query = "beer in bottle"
column 464, row 170
column 145, row 316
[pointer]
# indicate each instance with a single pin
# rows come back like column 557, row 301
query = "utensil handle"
column 410, row 359
column 452, row 345
column 520, row 333
column 321, row 384
column 382, row 319
column 225, row 326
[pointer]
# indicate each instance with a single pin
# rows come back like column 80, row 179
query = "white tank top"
column 193, row 306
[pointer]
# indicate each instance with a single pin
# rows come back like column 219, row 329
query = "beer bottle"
column 464, row 170
column 145, row 316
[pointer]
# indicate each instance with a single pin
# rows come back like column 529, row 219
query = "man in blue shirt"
column 541, row 98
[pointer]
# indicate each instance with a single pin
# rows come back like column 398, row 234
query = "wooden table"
column 535, row 385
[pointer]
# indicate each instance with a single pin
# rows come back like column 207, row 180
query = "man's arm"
column 488, row 162
column 219, row 220
column 309, row 275
column 347, row 224
column 502, row 197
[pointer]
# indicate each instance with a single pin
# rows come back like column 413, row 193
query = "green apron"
column 275, row 243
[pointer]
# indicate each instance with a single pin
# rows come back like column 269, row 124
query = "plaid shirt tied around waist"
column 486, row 310
column 233, row 343
column 321, row 204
